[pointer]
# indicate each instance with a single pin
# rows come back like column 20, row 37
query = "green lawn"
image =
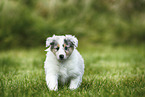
column 114, row 71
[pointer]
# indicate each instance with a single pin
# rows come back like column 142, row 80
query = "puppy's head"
column 62, row 46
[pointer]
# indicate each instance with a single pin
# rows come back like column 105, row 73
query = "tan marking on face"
column 58, row 45
column 69, row 51
column 64, row 45
column 54, row 50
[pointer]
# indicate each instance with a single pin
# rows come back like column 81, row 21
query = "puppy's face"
column 62, row 47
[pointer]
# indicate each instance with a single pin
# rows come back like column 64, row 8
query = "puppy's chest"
column 63, row 71
column 67, row 71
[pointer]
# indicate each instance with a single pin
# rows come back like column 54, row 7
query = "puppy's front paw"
column 73, row 87
column 74, row 83
column 52, row 82
column 53, row 87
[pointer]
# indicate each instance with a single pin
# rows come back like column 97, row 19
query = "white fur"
column 73, row 39
column 62, row 71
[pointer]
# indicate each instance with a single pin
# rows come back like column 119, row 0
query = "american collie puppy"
column 63, row 62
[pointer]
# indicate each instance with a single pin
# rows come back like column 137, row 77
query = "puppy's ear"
column 49, row 40
column 73, row 39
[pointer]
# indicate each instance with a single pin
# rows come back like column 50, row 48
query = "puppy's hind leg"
column 75, row 82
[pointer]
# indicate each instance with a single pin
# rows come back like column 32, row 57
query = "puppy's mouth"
column 61, row 59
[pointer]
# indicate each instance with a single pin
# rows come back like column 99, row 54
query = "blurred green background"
column 111, row 36
column 27, row 23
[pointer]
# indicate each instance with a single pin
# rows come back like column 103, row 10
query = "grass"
column 109, row 71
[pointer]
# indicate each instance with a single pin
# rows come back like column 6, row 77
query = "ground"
column 109, row 71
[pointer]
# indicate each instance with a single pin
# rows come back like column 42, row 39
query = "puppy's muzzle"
column 61, row 57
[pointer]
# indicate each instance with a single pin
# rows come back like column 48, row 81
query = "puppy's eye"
column 52, row 43
column 57, row 48
column 66, row 48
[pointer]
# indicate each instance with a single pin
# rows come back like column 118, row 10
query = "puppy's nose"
column 61, row 56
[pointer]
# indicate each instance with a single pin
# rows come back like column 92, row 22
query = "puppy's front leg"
column 74, row 83
column 52, row 82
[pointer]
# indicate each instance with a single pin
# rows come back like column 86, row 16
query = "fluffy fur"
column 69, row 68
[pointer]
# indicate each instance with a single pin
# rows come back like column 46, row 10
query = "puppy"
column 63, row 62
